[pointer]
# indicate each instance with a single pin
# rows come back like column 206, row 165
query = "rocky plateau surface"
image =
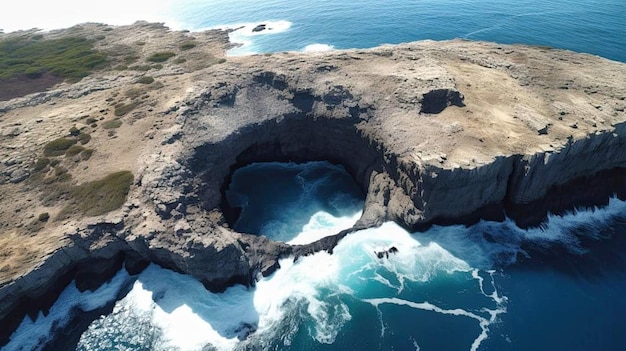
column 433, row 132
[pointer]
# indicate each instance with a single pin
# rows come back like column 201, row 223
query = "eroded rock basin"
column 317, row 198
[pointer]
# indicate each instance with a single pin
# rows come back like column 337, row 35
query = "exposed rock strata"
column 433, row 132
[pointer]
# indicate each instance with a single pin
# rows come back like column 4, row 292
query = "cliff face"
column 430, row 141
column 433, row 132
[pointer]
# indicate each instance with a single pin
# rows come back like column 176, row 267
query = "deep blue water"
column 592, row 26
column 491, row 286
column 298, row 192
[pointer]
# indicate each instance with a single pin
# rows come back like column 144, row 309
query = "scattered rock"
column 385, row 254
column 259, row 28
column 19, row 175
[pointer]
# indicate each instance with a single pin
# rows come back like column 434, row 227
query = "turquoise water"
column 300, row 192
column 491, row 286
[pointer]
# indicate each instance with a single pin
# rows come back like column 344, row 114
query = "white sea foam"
column 318, row 48
column 33, row 334
column 187, row 317
column 496, row 244
column 174, row 311
column 413, row 262
column 300, row 282
column 323, row 224
column 243, row 34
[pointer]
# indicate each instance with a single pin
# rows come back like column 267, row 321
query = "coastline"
column 306, row 107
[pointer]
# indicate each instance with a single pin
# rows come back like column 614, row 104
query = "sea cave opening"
column 281, row 172
column 296, row 203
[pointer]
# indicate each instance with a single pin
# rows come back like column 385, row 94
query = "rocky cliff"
column 433, row 132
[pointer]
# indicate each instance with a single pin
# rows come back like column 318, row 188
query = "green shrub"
column 145, row 80
column 74, row 131
column 122, row 109
column 112, row 124
column 41, row 164
column 91, row 120
column 222, row 60
column 59, row 171
column 71, row 58
column 188, row 45
column 128, row 59
column 58, row 147
column 74, row 150
column 161, row 56
column 84, row 138
column 86, row 154
column 141, row 68
column 157, row 66
column 100, row 196
column 60, row 175
column 180, row 60
column 43, row 217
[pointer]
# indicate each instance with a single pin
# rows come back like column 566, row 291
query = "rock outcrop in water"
column 433, row 132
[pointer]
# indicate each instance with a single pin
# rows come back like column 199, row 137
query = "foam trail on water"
column 301, row 282
column 507, row 20
column 33, row 334
column 483, row 322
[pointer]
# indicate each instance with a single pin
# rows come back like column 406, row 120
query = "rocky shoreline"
column 433, row 132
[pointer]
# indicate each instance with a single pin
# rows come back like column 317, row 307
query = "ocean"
column 592, row 26
column 490, row 286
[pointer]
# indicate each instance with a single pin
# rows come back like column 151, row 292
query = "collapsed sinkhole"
column 349, row 156
column 293, row 202
column 435, row 101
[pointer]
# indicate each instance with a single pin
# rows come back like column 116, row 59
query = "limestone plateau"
column 434, row 133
